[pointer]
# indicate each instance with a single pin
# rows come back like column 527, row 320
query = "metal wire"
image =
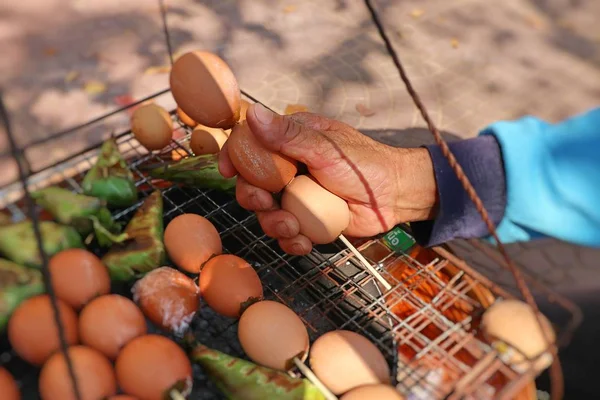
column 76, row 128
column 19, row 157
column 163, row 15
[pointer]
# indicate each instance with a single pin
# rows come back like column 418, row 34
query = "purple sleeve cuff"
column 481, row 160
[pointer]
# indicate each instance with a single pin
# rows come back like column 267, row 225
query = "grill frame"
column 328, row 288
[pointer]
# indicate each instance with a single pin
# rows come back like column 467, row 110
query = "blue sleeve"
column 457, row 216
column 552, row 178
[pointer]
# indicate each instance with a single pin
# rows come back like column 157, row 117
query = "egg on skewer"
column 150, row 366
column 206, row 89
column 152, row 126
column 272, row 335
column 228, row 284
column 343, row 350
column 109, row 322
column 206, row 140
column 32, row 329
column 511, row 327
column 190, row 240
column 322, row 215
column 258, row 165
column 78, row 276
column 94, row 372
column 168, row 298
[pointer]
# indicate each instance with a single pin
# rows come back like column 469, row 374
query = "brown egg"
column 109, row 322
column 168, row 298
column 344, row 360
column 227, row 282
column 322, row 215
column 272, row 334
column 511, row 327
column 95, row 375
column 152, row 126
column 78, row 276
column 205, row 88
column 183, row 117
column 190, row 240
column 33, row 333
column 205, row 140
column 373, row 392
column 243, row 109
column 8, row 386
column 255, row 163
column 149, row 365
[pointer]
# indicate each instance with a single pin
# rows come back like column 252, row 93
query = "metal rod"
column 163, row 15
column 65, row 132
column 18, row 156
column 364, row 262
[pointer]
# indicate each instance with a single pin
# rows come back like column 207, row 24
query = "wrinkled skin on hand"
column 382, row 185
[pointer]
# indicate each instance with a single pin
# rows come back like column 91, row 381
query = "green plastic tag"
column 398, row 240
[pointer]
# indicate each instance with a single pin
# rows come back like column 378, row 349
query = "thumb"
column 290, row 137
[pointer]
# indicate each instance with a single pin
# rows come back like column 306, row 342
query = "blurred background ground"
column 64, row 62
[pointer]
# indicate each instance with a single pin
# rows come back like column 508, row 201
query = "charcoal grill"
column 431, row 314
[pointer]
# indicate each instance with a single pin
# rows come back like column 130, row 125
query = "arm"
column 536, row 179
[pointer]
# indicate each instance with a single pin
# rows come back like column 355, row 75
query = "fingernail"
column 283, row 229
column 263, row 115
column 298, row 249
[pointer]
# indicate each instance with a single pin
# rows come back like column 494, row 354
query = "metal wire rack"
column 426, row 326
column 426, row 323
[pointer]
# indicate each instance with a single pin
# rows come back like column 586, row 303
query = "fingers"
column 313, row 121
column 298, row 246
column 251, row 197
column 278, row 224
column 290, row 136
column 226, row 167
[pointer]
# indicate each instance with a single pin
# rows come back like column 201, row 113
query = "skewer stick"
column 176, row 395
column 313, row 379
column 367, row 265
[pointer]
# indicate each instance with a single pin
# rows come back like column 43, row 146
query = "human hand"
column 382, row 185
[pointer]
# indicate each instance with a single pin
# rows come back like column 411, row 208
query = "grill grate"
column 430, row 314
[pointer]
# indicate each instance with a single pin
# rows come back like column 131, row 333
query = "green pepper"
column 18, row 242
column 143, row 249
column 110, row 179
column 241, row 379
column 200, row 172
column 17, row 284
column 84, row 213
